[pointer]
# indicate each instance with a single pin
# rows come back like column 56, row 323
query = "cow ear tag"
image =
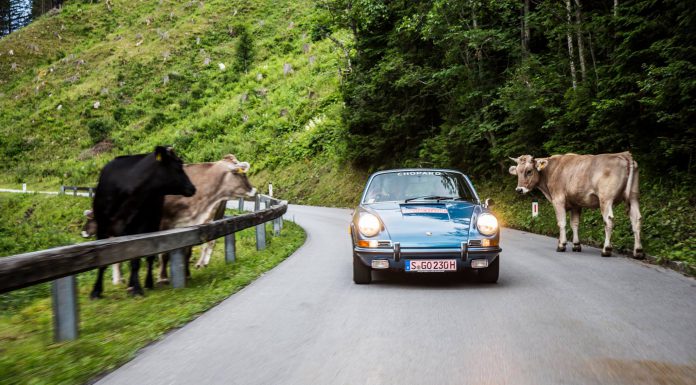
column 541, row 164
column 158, row 157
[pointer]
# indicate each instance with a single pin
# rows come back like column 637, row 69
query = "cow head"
column 527, row 172
column 236, row 180
column 170, row 173
column 89, row 229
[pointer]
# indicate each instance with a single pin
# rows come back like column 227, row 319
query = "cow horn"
column 513, row 159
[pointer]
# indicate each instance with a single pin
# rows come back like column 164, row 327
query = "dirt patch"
column 99, row 148
column 639, row 372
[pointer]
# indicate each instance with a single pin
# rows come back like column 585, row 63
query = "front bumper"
column 396, row 257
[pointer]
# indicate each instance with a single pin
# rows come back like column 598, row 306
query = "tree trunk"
column 616, row 6
column 592, row 55
column 473, row 14
column 569, row 37
column 525, row 28
column 581, row 47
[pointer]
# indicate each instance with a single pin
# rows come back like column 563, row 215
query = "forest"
column 467, row 83
column 15, row 14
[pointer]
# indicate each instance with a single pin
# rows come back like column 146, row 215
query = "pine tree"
column 244, row 54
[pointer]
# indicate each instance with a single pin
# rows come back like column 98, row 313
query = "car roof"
column 415, row 169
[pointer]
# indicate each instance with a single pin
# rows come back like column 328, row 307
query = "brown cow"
column 572, row 182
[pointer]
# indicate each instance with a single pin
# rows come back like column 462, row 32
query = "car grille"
column 475, row 242
column 384, row 244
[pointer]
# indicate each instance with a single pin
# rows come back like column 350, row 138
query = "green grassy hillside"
column 86, row 84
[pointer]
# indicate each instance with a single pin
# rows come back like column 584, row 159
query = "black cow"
column 129, row 200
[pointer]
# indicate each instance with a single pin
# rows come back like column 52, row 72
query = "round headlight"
column 487, row 224
column 369, row 225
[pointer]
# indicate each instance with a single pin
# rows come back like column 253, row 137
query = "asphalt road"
column 553, row 318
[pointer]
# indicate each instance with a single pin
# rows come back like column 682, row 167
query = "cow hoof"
column 134, row 292
column 560, row 249
column 577, row 247
column 95, row 295
column 606, row 252
column 638, row 254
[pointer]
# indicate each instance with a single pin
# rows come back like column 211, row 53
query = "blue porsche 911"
column 424, row 220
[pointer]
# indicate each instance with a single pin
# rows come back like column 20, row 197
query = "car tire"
column 490, row 274
column 361, row 274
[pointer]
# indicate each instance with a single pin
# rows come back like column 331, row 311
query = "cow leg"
column 634, row 213
column 201, row 259
column 207, row 252
column 574, row 224
column 187, row 258
column 134, row 282
column 98, row 284
column 559, row 207
column 163, row 260
column 608, row 215
column 149, row 281
column 117, row 277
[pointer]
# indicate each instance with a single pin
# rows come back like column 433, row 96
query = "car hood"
column 426, row 225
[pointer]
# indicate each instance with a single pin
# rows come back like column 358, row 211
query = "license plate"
column 430, row 265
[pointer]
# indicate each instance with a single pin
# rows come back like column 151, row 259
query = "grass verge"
column 113, row 329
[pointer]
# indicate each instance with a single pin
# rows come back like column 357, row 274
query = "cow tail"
column 629, row 183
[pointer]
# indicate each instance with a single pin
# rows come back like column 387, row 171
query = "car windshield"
column 418, row 185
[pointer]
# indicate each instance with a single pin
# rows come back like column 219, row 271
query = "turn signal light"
column 489, row 242
column 365, row 243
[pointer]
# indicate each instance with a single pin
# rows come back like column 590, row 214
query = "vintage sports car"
column 424, row 220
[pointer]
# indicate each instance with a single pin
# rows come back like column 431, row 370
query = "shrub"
column 100, row 129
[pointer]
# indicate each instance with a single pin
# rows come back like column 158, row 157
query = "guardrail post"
column 276, row 221
column 260, row 228
column 74, row 191
column 62, row 190
column 65, row 308
column 241, row 204
column 178, row 268
column 230, row 246
column 91, row 192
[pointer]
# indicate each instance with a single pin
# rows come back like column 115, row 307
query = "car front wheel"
column 361, row 273
column 490, row 274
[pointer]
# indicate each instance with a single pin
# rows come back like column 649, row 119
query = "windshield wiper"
column 429, row 197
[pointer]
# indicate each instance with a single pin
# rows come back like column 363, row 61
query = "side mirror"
column 489, row 202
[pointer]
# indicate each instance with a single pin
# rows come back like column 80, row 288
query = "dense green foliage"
column 114, row 328
column 467, row 83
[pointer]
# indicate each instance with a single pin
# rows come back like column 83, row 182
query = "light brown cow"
column 573, row 182
column 215, row 182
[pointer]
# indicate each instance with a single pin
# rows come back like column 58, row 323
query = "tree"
column 244, row 53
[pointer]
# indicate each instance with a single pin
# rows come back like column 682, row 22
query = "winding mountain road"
column 553, row 318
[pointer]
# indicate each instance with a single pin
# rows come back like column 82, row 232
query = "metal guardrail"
column 75, row 189
column 61, row 264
